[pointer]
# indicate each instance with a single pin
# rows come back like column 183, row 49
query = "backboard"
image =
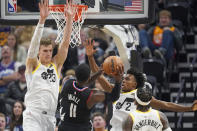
column 111, row 12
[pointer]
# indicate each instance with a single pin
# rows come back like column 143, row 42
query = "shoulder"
column 67, row 83
column 13, row 84
column 128, row 123
column 152, row 28
column 163, row 117
column 21, row 48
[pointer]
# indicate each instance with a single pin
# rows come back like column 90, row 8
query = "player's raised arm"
column 64, row 45
column 94, row 67
column 170, row 106
column 32, row 60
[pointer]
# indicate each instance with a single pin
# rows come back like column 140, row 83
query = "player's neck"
column 143, row 108
column 79, row 84
column 45, row 63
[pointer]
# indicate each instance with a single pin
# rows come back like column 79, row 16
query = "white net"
column 80, row 15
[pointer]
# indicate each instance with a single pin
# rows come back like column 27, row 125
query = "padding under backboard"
column 109, row 12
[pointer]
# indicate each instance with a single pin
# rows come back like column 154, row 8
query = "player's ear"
column 135, row 84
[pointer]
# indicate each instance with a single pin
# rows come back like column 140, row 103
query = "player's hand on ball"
column 120, row 72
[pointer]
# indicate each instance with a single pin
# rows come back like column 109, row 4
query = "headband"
column 141, row 102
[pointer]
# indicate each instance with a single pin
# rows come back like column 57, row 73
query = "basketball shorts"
column 37, row 120
column 73, row 127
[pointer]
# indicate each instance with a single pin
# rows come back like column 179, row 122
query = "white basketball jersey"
column 146, row 121
column 121, row 108
column 42, row 88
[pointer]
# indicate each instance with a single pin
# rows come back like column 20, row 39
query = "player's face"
column 45, row 53
column 98, row 122
column 18, row 109
column 2, row 123
column 164, row 21
column 129, row 83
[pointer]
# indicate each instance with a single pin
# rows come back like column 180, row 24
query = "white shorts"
column 37, row 120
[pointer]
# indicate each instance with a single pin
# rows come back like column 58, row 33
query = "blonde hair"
column 165, row 13
column 2, row 115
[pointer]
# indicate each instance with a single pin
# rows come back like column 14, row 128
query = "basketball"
column 110, row 64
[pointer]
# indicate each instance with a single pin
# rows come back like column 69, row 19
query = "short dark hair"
column 82, row 72
column 144, row 94
column 98, row 114
column 140, row 79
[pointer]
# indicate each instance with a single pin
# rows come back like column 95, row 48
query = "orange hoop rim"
column 53, row 8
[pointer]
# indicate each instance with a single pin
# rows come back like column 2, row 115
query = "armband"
column 35, row 41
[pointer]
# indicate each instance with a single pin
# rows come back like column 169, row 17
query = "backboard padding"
column 110, row 12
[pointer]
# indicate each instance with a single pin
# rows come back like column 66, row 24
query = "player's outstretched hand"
column 89, row 45
column 69, row 10
column 44, row 9
column 194, row 106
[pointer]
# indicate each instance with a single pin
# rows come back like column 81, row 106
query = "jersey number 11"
column 73, row 109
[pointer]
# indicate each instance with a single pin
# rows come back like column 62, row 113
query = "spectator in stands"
column 111, row 49
column 18, row 52
column 99, row 52
column 77, row 54
column 17, row 117
column 7, row 69
column 2, row 122
column 17, row 89
column 98, row 120
column 24, row 35
column 161, row 39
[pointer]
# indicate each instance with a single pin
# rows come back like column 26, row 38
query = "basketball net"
column 57, row 12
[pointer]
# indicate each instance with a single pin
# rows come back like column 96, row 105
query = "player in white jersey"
column 42, row 74
column 144, row 118
column 125, row 104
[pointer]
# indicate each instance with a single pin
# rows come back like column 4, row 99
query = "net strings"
column 60, row 20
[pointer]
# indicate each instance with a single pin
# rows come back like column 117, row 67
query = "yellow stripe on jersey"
column 60, row 89
column 158, row 115
column 36, row 68
column 129, row 92
column 55, row 69
column 143, row 112
column 132, row 117
column 126, row 93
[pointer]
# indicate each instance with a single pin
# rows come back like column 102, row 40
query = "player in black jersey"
column 76, row 101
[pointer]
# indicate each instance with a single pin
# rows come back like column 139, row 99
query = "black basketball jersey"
column 73, row 103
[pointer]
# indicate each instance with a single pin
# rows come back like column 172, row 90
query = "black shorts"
column 74, row 127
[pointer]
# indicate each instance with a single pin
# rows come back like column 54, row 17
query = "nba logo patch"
column 12, row 6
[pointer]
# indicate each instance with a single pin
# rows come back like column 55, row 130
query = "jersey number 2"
column 128, row 107
column 73, row 109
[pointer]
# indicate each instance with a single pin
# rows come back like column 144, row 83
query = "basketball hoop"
column 57, row 12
